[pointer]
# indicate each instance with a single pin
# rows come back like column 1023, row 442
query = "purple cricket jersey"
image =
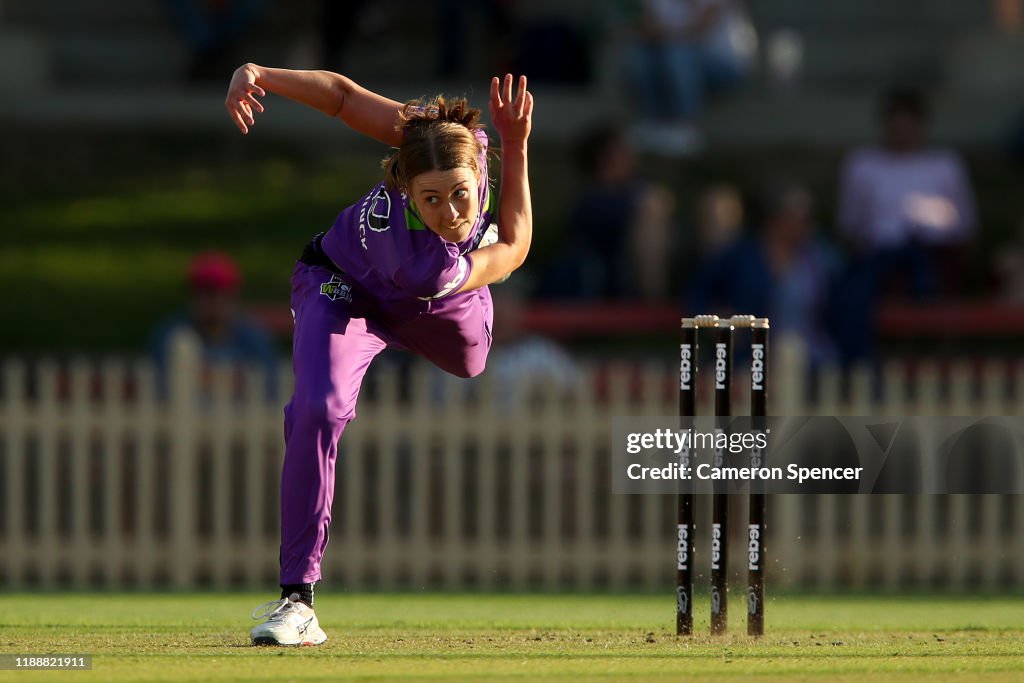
column 382, row 244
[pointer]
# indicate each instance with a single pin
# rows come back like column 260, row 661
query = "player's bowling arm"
column 512, row 117
column 515, row 223
column 335, row 95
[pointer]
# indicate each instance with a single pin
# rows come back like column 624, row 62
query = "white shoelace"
column 270, row 610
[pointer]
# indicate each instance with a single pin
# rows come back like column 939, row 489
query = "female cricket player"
column 406, row 266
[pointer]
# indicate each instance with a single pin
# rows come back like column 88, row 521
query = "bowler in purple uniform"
column 407, row 266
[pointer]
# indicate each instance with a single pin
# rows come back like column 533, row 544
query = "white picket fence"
column 103, row 484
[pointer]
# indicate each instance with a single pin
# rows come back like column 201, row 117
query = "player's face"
column 447, row 201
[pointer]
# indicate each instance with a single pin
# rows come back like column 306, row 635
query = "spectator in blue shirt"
column 781, row 271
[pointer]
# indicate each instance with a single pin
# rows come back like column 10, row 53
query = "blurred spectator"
column 1008, row 15
column 784, row 58
column 683, row 51
column 620, row 238
column 520, row 357
column 228, row 337
column 904, row 192
column 906, row 212
column 211, row 27
column 781, row 271
column 719, row 219
column 718, row 222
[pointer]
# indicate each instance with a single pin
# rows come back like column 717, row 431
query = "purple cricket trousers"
column 339, row 329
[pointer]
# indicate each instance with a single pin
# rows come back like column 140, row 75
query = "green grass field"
column 527, row 637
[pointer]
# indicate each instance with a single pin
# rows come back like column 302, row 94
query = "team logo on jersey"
column 380, row 211
column 336, row 288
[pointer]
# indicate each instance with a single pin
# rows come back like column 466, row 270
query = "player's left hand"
column 512, row 118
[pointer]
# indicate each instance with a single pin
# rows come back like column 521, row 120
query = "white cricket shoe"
column 288, row 622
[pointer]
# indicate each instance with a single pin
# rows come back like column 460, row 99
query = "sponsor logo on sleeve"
column 453, row 284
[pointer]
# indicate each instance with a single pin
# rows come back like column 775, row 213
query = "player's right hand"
column 241, row 101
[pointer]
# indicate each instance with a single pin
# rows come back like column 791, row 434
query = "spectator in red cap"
column 228, row 336
column 214, row 271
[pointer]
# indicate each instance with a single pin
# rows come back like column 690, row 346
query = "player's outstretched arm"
column 364, row 111
column 512, row 119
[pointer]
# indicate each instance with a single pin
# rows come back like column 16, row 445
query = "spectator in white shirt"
column 904, row 191
column 906, row 212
